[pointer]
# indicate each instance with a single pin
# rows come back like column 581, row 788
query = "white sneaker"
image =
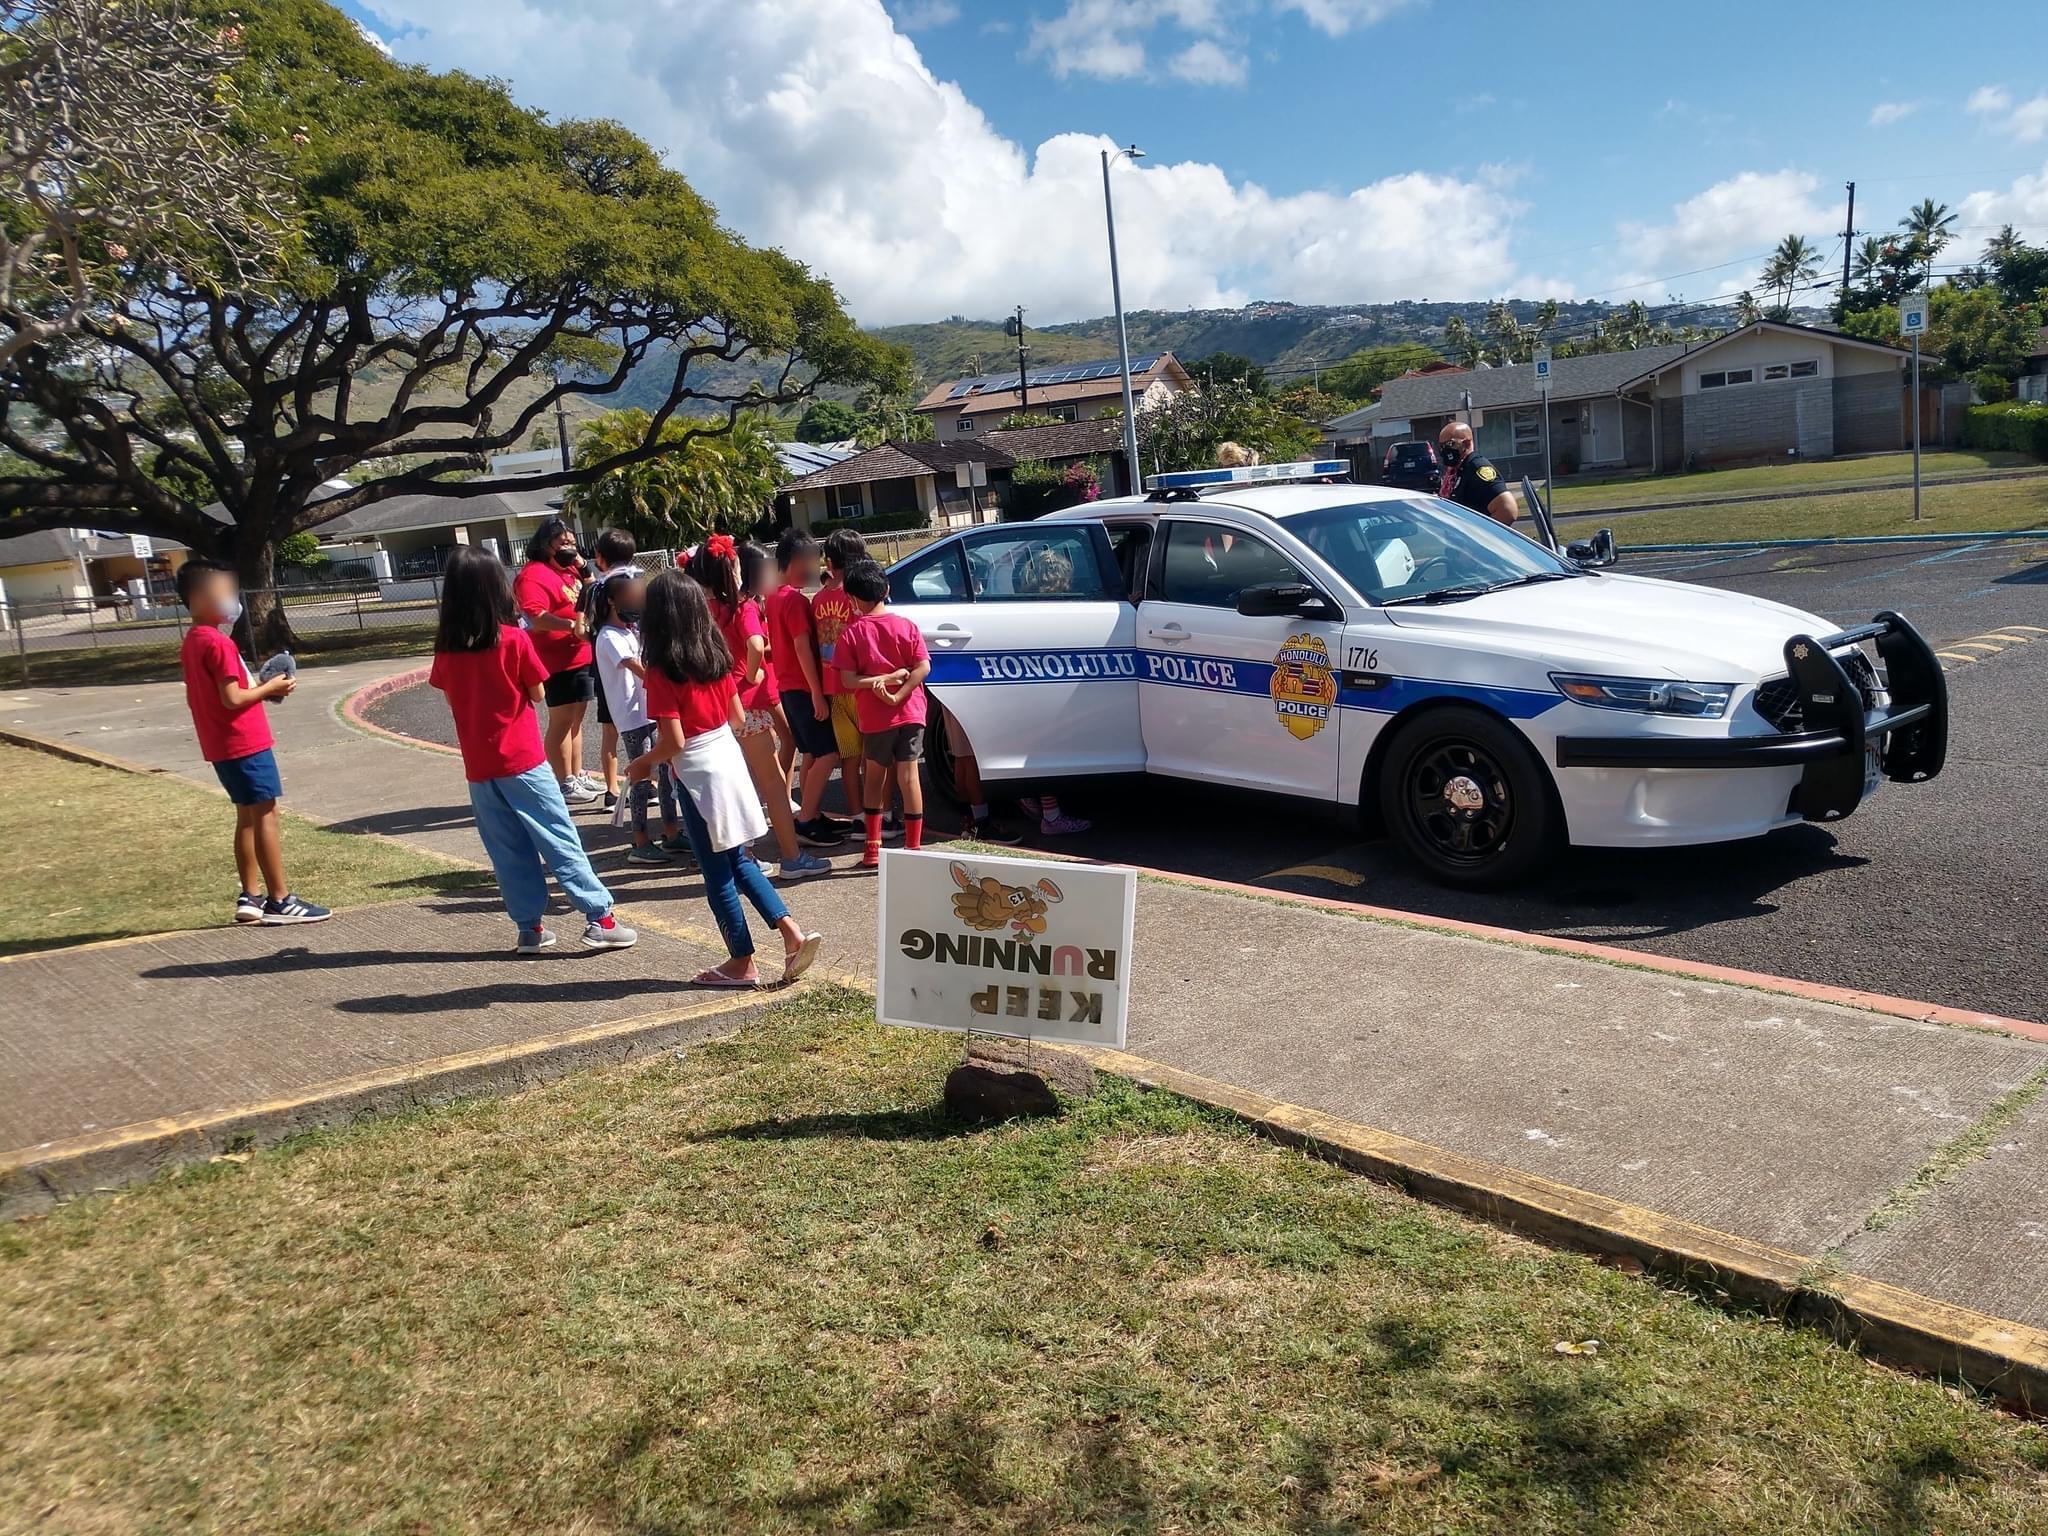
column 578, row 793
column 590, row 781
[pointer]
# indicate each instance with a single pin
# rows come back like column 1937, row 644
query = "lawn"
column 1814, row 475
column 158, row 663
column 1945, row 509
column 770, row 1286
column 93, row 853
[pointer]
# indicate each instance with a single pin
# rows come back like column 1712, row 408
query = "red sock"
column 913, row 829
column 873, row 855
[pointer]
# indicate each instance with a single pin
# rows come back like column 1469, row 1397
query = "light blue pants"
column 730, row 873
column 524, row 823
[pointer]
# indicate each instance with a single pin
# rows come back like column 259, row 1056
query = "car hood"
column 1634, row 624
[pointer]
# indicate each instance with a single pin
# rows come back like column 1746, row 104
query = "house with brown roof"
column 1072, row 392
column 947, row 483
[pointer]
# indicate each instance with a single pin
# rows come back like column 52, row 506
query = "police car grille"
column 1777, row 698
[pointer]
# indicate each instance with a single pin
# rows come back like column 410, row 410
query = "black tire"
column 1463, row 795
column 938, row 755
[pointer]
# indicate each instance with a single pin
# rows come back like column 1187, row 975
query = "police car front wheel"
column 1464, row 796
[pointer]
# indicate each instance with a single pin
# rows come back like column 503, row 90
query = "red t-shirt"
column 739, row 628
column 487, row 694
column 700, row 706
column 789, row 620
column 209, row 656
column 542, row 587
column 831, row 611
column 882, row 642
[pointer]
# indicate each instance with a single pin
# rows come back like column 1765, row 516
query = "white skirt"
column 713, row 771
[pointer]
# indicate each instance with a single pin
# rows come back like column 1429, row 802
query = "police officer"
column 1470, row 478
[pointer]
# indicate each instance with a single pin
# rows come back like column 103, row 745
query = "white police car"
column 1478, row 694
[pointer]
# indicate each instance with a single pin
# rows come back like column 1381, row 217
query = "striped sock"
column 913, row 829
column 873, row 855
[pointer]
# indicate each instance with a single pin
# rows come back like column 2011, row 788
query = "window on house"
column 1730, row 376
column 1066, row 413
column 964, row 425
column 1776, row 371
column 1528, row 430
column 1806, row 370
column 845, row 499
column 1741, row 375
column 1713, row 380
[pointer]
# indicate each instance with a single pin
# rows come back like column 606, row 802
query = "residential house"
column 419, row 532
column 1766, row 391
column 926, row 477
column 1069, row 391
column 2032, row 383
column 78, row 565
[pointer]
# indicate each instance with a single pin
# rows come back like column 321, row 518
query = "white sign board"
column 140, row 547
column 1001, row 946
column 1542, row 361
column 971, row 472
column 1913, row 314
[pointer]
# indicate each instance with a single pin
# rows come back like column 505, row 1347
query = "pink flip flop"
column 727, row 983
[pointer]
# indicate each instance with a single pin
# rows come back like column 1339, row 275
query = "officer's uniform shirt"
column 1473, row 483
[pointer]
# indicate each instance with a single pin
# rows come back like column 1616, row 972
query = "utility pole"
column 1848, row 242
column 1123, row 339
column 562, row 433
column 1023, row 373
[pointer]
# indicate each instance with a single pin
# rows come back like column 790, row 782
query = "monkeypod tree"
column 461, row 265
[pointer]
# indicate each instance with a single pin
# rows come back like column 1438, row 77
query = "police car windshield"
column 1413, row 550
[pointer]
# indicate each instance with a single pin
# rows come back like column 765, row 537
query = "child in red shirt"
column 883, row 663
column 696, row 710
column 234, row 736
column 800, row 680
column 493, row 676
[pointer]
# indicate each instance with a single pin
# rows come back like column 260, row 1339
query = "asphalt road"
column 1935, row 891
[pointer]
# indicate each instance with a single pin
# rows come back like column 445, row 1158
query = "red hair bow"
column 721, row 545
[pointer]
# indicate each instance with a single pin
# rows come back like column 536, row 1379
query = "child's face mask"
column 231, row 610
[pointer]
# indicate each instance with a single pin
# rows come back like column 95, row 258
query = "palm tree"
column 1792, row 263
column 1927, row 226
column 1746, row 311
column 2002, row 247
column 1460, row 342
column 1868, row 261
column 707, row 480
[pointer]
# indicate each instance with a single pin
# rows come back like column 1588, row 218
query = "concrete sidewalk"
column 1839, row 1141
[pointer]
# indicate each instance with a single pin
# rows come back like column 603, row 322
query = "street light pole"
column 1123, row 342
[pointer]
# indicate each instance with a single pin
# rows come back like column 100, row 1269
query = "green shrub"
column 2012, row 425
column 874, row 522
column 1992, row 386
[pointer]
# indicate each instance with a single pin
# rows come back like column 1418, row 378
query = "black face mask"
column 627, row 615
column 1452, row 453
column 565, row 558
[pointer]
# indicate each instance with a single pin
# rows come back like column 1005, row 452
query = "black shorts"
column 813, row 737
column 604, row 707
column 898, row 744
column 571, row 685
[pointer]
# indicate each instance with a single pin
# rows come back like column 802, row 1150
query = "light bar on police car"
column 1247, row 474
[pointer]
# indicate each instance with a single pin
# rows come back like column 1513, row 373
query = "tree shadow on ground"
column 929, row 1122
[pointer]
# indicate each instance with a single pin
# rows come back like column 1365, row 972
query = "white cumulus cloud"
column 1207, row 63
column 1728, row 228
column 2023, row 204
column 1885, row 113
column 1337, row 17
column 919, row 15
column 815, row 125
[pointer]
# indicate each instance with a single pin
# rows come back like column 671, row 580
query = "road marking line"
column 2033, row 629
column 1994, row 634
column 1329, row 872
column 1957, row 656
column 1977, row 645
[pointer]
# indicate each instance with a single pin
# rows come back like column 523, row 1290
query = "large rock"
column 1067, row 1072
column 976, row 1092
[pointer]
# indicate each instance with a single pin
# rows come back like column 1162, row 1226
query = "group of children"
column 720, row 681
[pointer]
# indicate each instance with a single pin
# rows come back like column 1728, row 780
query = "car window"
column 1036, row 564
column 1209, row 564
column 1402, row 549
column 939, row 577
column 1131, row 543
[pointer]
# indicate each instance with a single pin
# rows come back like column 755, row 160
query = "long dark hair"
column 541, row 546
column 677, row 636
column 715, row 573
column 476, row 601
column 754, row 559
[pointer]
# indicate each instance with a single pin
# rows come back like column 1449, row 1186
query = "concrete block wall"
column 1869, row 411
column 1761, row 421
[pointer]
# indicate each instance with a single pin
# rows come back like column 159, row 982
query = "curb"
column 29, row 742
column 1854, row 488
column 2005, row 1359
column 33, row 1179
column 351, row 707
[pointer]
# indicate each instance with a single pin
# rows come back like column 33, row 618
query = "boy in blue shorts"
column 234, row 735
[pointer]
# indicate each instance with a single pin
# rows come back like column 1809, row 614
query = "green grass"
column 772, row 1287
column 159, row 663
column 93, row 853
column 1945, row 509
column 1637, row 490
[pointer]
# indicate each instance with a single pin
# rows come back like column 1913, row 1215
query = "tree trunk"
column 266, row 627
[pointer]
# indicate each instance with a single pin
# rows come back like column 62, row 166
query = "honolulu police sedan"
column 1480, row 696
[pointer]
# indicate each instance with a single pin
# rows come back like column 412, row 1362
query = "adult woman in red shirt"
column 546, row 591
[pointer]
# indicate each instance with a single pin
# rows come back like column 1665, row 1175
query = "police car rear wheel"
column 1466, row 799
column 938, row 754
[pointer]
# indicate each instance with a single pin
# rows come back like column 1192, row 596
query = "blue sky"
column 939, row 156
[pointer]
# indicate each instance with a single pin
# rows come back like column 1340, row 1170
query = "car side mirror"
column 1278, row 599
column 1594, row 553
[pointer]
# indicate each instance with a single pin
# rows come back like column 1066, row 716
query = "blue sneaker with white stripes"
column 283, row 913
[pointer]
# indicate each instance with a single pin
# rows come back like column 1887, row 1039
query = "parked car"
column 1412, row 466
column 1481, row 697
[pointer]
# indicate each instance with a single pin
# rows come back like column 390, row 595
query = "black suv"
column 1412, row 466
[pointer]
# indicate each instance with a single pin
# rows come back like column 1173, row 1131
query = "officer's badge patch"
column 1487, row 472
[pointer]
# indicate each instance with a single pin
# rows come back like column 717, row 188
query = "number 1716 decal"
column 1358, row 658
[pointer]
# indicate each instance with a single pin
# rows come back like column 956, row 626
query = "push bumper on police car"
column 1843, row 730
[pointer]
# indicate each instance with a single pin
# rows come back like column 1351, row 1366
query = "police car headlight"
column 1648, row 695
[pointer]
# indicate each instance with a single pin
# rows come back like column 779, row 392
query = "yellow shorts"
column 845, row 725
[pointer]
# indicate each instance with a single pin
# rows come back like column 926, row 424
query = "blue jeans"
column 524, row 823
column 631, row 744
column 729, row 873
